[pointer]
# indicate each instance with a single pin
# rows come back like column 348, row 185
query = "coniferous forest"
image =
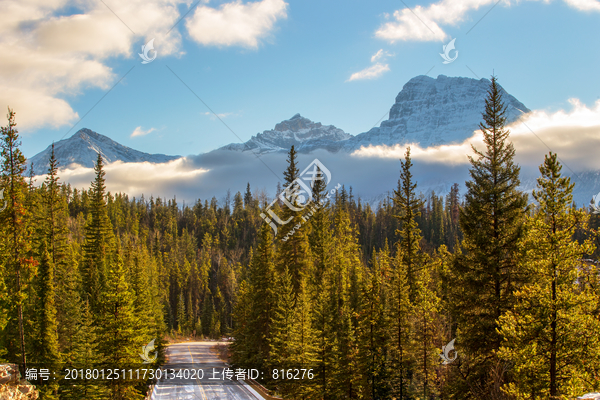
column 365, row 297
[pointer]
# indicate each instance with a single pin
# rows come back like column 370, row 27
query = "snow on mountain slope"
column 433, row 112
column 83, row 147
column 301, row 132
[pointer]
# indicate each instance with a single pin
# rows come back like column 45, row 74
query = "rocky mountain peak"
column 432, row 112
column 298, row 131
column 296, row 124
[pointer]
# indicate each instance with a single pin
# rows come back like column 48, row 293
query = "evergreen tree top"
column 292, row 171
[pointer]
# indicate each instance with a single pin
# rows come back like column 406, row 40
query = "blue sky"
column 263, row 61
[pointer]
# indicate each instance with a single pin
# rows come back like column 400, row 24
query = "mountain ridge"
column 299, row 131
column 82, row 149
column 427, row 111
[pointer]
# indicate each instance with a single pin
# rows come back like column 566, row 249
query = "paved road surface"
column 198, row 355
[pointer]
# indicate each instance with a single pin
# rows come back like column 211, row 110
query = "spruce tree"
column 488, row 273
column 551, row 337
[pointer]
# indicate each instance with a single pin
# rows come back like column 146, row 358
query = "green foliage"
column 294, row 249
column 408, row 207
column 98, row 240
column 551, row 337
column 119, row 339
column 15, row 220
column 365, row 298
column 488, row 273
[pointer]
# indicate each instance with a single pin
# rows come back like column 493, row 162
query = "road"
column 185, row 358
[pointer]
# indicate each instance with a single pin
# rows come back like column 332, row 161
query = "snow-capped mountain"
column 83, row 147
column 432, row 112
column 301, row 132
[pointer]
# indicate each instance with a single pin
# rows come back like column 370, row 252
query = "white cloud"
column 220, row 115
column 425, row 23
column 372, row 72
column 138, row 178
column 574, row 135
column 584, row 5
column 235, row 23
column 140, row 132
column 47, row 55
column 380, row 55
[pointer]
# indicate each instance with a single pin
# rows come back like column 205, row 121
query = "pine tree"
column 98, row 239
column 348, row 281
column 55, row 225
column 242, row 345
column 248, row 196
column 118, row 337
column 294, row 250
column 425, row 330
column 85, row 354
column 324, row 315
column 320, row 234
column 181, row 317
column 262, row 281
column 282, row 322
column 374, row 325
column 401, row 328
column 14, row 219
column 54, row 231
column 454, row 235
column 208, row 315
column 488, row 273
column 303, row 343
column 47, row 351
column 322, row 287
column 408, row 206
column 551, row 337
